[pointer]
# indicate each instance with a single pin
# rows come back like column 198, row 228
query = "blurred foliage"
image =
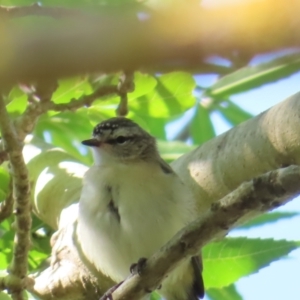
column 175, row 108
column 251, row 77
column 268, row 218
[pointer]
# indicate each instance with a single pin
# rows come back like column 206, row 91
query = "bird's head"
column 121, row 139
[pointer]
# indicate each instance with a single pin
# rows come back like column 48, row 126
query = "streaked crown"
column 126, row 139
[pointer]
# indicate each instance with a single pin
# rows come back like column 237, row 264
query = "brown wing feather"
column 198, row 286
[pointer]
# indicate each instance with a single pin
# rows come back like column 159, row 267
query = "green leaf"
column 16, row 2
column 17, row 104
column 225, row 293
column 5, row 226
column 252, row 77
column 232, row 258
column 155, row 296
column 71, row 88
column 41, row 244
column 201, row 128
column 98, row 114
column 67, row 130
column 4, row 296
column 172, row 150
column 155, row 126
column 35, row 259
column 4, row 183
column 144, row 84
column 268, row 218
column 4, row 259
column 16, row 92
column 172, row 95
column 6, row 246
column 233, row 113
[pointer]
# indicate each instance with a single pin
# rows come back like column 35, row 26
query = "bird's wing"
column 198, row 286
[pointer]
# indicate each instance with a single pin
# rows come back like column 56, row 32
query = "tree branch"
column 15, row 281
column 38, row 10
column 261, row 194
column 181, row 37
column 85, row 100
column 38, row 102
column 126, row 85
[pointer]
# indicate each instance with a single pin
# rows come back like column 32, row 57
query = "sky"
column 281, row 279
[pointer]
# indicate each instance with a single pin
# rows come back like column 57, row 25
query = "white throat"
column 102, row 157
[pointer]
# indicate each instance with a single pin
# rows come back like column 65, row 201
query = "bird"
column 131, row 204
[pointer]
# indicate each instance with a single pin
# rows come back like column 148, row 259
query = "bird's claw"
column 138, row 267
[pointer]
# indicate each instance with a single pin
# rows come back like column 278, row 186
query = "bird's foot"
column 108, row 294
column 138, row 267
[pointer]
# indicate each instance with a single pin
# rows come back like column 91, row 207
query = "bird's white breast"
column 152, row 206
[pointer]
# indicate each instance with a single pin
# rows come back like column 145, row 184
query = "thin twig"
column 85, row 100
column 21, row 194
column 38, row 103
column 126, row 85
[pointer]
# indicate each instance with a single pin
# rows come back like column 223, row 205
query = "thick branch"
column 181, row 37
column 261, row 194
column 259, row 145
column 21, row 192
column 37, row 10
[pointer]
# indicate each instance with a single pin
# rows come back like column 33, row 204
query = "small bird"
column 131, row 204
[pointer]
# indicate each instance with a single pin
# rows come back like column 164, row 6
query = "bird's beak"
column 91, row 143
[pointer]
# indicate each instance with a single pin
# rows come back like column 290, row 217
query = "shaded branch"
column 37, row 10
column 182, row 37
column 14, row 282
column 261, row 194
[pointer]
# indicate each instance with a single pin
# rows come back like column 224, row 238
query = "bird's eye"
column 121, row 139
